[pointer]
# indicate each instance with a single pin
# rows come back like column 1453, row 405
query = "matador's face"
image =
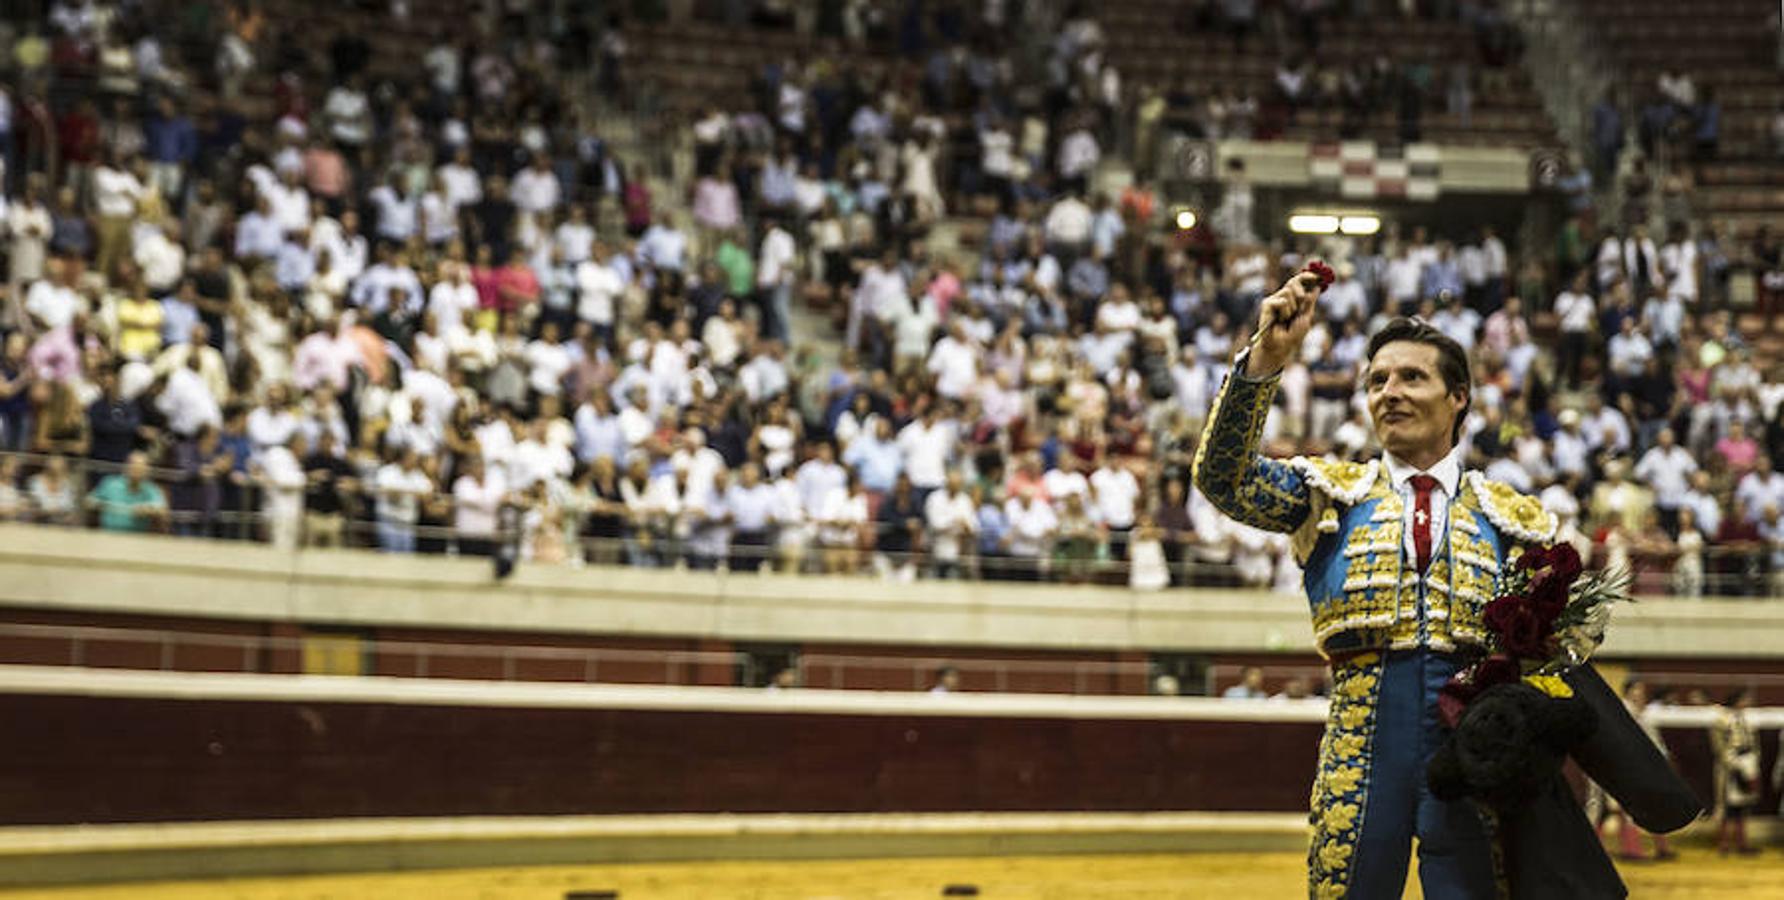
column 1414, row 412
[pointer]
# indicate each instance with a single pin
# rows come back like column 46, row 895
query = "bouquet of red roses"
column 1543, row 620
column 1511, row 716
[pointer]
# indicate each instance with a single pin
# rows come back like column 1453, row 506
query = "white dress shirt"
column 1448, row 472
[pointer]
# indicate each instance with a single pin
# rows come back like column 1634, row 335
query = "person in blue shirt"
column 129, row 501
column 171, row 142
column 876, row 457
column 994, row 530
column 1441, row 275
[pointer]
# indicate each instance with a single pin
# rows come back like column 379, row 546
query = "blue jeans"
column 396, row 537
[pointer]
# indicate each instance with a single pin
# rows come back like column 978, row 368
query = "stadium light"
column 1359, row 225
column 1313, row 224
column 1186, row 219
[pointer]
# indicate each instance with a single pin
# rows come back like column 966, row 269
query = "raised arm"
column 1263, row 493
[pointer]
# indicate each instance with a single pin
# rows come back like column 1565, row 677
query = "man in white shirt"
column 1032, row 527
column 598, row 287
column 463, row 185
column 1119, row 312
column 282, row 479
column 954, row 361
column 928, row 445
column 764, row 376
column 400, row 486
column 1760, row 488
column 452, row 299
column 535, row 189
column 476, row 507
column 817, row 477
column 1628, row 351
column 1570, row 450
column 348, row 251
column 1067, row 228
column 701, row 462
column 116, row 193
column 775, row 273
column 1078, row 157
column 349, row 113
column 1345, row 299
column 187, row 401
column 952, row 520
column 399, row 212
column 1605, row 426
column 1115, row 491
column 258, row 235
column 1667, row 469
column 1402, row 279
column 754, row 507
column 53, row 302
column 635, row 421
column 288, row 201
column 1576, row 310
column 538, row 458
column 548, row 361
column 160, row 257
column 663, row 245
column 1065, row 480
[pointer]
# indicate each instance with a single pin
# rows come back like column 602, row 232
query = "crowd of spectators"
column 434, row 314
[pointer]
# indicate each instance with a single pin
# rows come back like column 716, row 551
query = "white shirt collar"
column 1447, row 471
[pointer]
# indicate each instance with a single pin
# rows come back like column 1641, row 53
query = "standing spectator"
column 952, row 521
column 1576, row 310
column 114, row 423
column 477, row 497
column 1667, row 469
column 282, row 481
column 900, row 531
column 840, row 526
column 753, row 506
column 400, row 486
column 29, row 224
column 1736, row 753
column 1688, row 570
column 129, row 501
column 328, row 480
column 1033, row 527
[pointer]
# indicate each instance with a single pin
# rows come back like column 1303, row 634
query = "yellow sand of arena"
column 1699, row 874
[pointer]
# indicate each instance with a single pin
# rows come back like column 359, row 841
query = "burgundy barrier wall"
column 102, row 759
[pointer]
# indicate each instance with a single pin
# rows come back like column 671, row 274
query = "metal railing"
column 166, row 650
column 660, row 542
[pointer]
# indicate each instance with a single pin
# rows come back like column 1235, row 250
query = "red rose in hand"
column 1523, row 631
column 1325, row 273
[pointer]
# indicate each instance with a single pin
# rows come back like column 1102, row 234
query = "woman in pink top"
column 1740, row 450
column 1692, row 375
column 485, row 277
column 715, row 201
column 517, row 288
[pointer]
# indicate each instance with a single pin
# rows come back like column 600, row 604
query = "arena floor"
column 1699, row 875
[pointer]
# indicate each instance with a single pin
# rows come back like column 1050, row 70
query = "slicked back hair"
column 1452, row 360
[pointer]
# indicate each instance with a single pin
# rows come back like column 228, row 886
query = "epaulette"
column 1345, row 482
column 1519, row 515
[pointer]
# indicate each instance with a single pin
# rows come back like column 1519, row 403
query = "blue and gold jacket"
column 1345, row 522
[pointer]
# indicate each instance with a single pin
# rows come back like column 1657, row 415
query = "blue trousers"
column 1370, row 800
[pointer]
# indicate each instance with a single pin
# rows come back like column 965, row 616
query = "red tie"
column 1421, row 518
